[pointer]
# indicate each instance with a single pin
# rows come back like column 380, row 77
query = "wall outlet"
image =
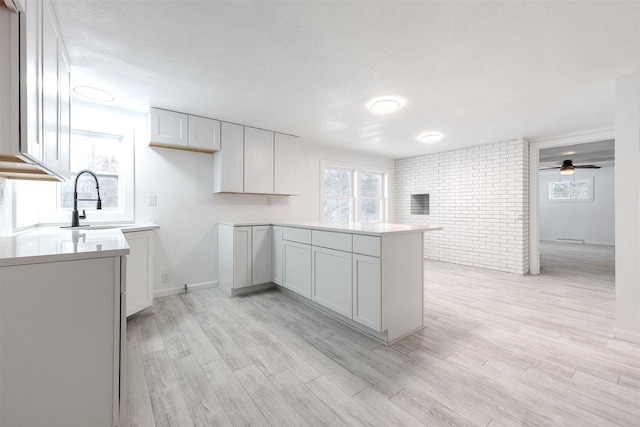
column 166, row 278
column 151, row 199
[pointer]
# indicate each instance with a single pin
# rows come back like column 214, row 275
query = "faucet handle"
column 83, row 216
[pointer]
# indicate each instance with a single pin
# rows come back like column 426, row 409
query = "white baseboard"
column 589, row 242
column 633, row 337
column 180, row 289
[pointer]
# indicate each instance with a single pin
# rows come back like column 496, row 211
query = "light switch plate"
column 151, row 199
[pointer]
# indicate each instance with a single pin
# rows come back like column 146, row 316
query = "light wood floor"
column 498, row 349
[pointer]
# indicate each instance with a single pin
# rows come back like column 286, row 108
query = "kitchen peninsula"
column 367, row 275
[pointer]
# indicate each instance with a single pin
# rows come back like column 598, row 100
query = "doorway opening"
column 576, row 212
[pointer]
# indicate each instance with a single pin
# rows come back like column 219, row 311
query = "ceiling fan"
column 568, row 168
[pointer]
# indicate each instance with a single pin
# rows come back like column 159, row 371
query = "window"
column 372, row 196
column 101, row 154
column 338, row 194
column 353, row 194
column 578, row 190
column 102, row 140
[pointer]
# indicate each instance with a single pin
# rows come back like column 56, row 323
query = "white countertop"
column 54, row 244
column 369, row 228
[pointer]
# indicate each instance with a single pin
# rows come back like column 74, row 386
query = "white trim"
column 633, row 337
column 534, row 165
column 180, row 289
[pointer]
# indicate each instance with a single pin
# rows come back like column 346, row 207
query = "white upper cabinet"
column 228, row 163
column 258, row 161
column 30, row 92
column 167, row 128
column 267, row 164
column 50, row 88
column 64, row 112
column 55, row 95
column 204, row 134
column 35, row 97
column 183, row 131
column 286, row 161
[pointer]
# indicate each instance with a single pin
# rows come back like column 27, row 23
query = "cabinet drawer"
column 300, row 235
column 366, row 245
column 331, row 240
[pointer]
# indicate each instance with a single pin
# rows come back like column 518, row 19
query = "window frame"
column 355, row 204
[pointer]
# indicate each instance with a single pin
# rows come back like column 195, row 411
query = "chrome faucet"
column 75, row 217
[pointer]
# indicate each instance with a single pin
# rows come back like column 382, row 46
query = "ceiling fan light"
column 568, row 170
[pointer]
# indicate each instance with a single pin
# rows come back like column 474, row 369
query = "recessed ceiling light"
column 93, row 93
column 430, row 137
column 386, row 104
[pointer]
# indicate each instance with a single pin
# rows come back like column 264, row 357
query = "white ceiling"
column 600, row 153
column 478, row 72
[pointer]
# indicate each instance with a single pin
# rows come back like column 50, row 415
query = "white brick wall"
column 479, row 195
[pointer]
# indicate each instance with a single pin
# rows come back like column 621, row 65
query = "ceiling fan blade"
column 548, row 169
column 587, row 167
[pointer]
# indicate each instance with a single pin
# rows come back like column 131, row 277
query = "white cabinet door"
column 228, row 163
column 204, row 134
column 50, row 83
column 332, row 280
column 287, row 158
column 167, row 127
column 64, row 112
column 31, row 83
column 258, row 161
column 297, row 267
column 262, row 254
column 277, row 255
column 367, row 295
column 241, row 257
column 139, row 271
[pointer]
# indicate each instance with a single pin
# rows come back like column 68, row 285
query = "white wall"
column 628, row 208
column 188, row 211
column 479, row 195
column 591, row 221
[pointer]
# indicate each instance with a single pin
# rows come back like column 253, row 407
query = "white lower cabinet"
column 63, row 364
column 372, row 283
column 277, row 255
column 367, row 291
column 139, row 271
column 332, row 280
column 242, row 256
column 245, row 257
column 297, row 267
column 261, row 254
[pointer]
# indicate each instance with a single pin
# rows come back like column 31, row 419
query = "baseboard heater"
column 565, row 240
